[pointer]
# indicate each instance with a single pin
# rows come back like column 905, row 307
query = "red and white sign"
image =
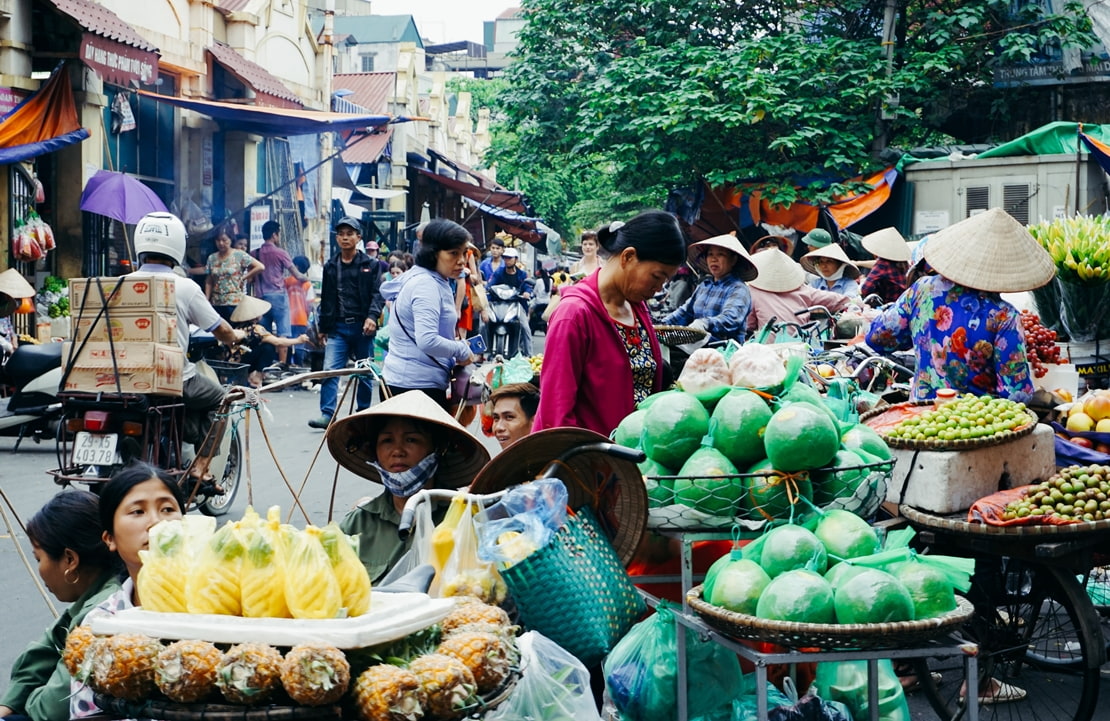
column 118, row 63
column 259, row 215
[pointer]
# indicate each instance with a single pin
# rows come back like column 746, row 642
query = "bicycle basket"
column 676, row 335
column 236, row 374
column 575, row 591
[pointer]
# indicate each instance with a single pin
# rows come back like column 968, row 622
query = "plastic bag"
column 311, row 588
column 788, row 707
column 641, row 672
column 553, row 685
column 846, row 682
column 419, row 551
column 531, row 513
column 464, row 574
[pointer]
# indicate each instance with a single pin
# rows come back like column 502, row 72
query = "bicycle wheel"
column 1037, row 631
column 220, row 504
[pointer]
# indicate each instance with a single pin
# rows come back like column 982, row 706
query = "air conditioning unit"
column 1031, row 188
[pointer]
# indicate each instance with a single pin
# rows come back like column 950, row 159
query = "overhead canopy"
column 274, row 121
column 515, row 224
column 109, row 45
column 458, row 167
column 42, row 123
column 505, row 199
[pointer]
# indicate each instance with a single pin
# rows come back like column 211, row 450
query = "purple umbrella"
column 119, row 196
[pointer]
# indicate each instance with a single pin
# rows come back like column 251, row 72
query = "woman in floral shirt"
column 229, row 271
column 964, row 335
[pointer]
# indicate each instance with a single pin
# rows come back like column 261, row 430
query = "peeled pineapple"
column 213, row 585
column 311, row 588
column 482, row 583
column 447, row 682
column 489, row 656
column 123, row 666
column 354, row 581
column 77, row 644
column 161, row 580
column 315, row 674
column 186, row 670
column 389, row 693
column 249, row 673
column 262, row 583
column 473, row 611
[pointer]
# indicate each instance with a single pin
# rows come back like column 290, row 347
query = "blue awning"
column 275, row 121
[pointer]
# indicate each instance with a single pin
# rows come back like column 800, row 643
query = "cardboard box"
column 151, row 293
column 143, row 368
column 127, row 327
column 950, row 481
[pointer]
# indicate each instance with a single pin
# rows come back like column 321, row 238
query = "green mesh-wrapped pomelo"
column 800, row 436
column 770, row 495
column 846, row 535
column 710, row 484
column 738, row 586
column 840, row 573
column 790, row 547
column 873, row 596
column 863, row 436
column 737, row 426
column 929, row 588
column 799, row 596
column 834, row 482
column 673, row 428
column 628, row 431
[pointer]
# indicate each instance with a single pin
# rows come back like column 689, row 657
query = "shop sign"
column 259, row 215
column 117, row 63
column 9, row 98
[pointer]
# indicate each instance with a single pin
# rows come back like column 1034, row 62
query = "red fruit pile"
column 1040, row 344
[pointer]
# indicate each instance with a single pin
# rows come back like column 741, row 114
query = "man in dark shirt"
column 350, row 305
column 510, row 274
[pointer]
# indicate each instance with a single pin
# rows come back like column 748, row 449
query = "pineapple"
column 161, row 580
column 389, row 693
column 447, row 682
column 483, row 583
column 123, row 666
column 213, row 584
column 186, row 670
column 354, row 581
column 489, row 656
column 470, row 611
column 263, row 576
column 311, row 588
column 77, row 643
column 249, row 673
column 315, row 674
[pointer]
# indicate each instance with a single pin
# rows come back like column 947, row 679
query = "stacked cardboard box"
column 139, row 316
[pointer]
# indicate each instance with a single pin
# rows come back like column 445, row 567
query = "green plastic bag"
column 641, row 672
column 846, row 682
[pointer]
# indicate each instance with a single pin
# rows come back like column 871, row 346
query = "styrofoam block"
column 950, row 481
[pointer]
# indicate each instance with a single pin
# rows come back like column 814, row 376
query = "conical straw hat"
column 250, row 308
column 352, row 441
column 887, row 243
column 778, row 273
column 743, row 268
column 13, row 284
column 851, row 270
column 990, row 251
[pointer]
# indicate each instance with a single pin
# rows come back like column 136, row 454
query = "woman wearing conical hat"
column 721, row 301
column 887, row 276
column 780, row 290
column 965, row 336
column 832, row 270
column 13, row 289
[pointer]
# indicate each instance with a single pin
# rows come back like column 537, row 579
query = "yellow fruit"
column 123, row 666
column 489, row 656
column 77, row 643
column 1080, row 422
column 1097, row 407
column 448, row 683
column 1103, row 426
column 389, row 693
column 249, row 673
column 186, row 670
column 474, row 611
column 315, row 674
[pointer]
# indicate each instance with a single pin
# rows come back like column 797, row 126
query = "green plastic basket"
column 575, row 591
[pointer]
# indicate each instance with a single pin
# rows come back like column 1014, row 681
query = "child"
column 300, row 295
column 258, row 348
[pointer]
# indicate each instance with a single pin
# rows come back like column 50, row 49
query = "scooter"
column 507, row 316
column 34, row 409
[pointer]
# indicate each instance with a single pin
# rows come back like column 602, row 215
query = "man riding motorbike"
column 160, row 245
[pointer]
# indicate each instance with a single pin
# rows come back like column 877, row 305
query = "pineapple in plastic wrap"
column 311, row 588
column 389, row 693
column 213, row 584
column 161, row 580
column 447, row 682
column 186, row 670
column 249, row 673
column 489, row 656
column 354, row 581
column 262, row 582
column 123, row 666
column 484, row 583
column 315, row 674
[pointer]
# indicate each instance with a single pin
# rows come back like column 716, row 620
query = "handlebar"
column 814, row 309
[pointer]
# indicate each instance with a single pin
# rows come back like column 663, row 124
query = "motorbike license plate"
column 95, row 449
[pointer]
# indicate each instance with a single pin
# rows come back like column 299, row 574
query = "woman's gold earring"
column 75, row 580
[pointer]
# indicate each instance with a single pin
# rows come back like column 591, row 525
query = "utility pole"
column 327, row 139
column 890, row 12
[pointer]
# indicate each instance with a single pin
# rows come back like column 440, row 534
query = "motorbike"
column 99, row 433
column 507, row 316
column 34, row 409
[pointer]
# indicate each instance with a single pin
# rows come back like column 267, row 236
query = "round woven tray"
column 875, row 419
column 171, row 711
column 1031, row 531
column 674, row 335
column 829, row 636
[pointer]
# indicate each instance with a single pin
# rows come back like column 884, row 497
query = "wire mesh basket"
column 750, row 500
column 676, row 335
column 235, row 374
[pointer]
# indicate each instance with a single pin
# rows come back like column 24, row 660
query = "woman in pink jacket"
column 602, row 356
column 780, row 290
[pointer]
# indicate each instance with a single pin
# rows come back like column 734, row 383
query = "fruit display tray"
column 391, row 616
column 829, row 636
column 675, row 335
column 885, row 418
column 960, row 524
column 170, row 711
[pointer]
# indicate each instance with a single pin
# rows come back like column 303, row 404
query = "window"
column 368, row 62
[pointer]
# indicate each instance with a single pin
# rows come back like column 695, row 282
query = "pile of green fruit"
column 1075, row 493
column 967, row 417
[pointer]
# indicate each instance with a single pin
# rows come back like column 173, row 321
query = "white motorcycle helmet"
column 161, row 233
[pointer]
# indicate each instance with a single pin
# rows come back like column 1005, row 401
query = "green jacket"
column 40, row 682
column 379, row 545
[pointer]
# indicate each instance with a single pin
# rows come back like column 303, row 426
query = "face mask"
column 406, row 483
column 835, row 275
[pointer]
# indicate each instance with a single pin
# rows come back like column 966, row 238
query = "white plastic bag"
column 419, row 552
column 553, row 685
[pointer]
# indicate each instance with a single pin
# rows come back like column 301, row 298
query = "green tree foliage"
column 644, row 95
